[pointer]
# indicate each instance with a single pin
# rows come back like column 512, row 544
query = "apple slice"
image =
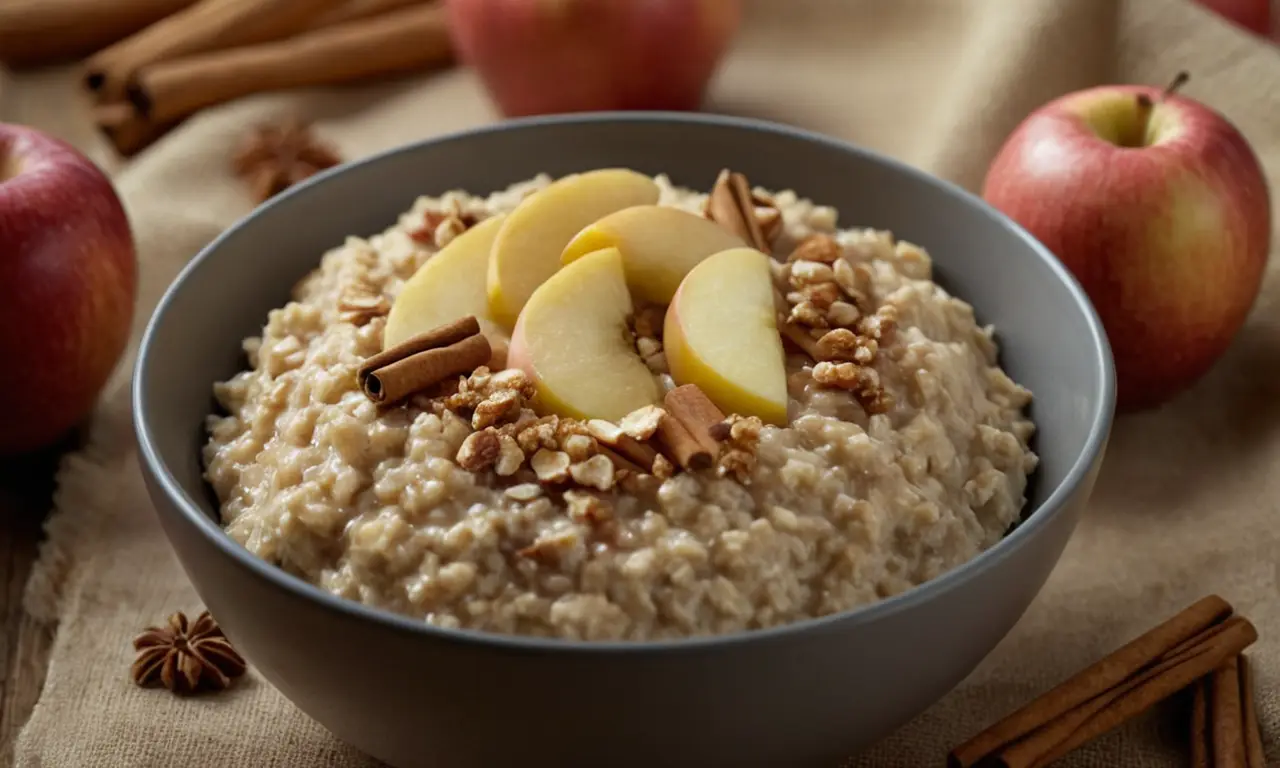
column 572, row 340
column 721, row 333
column 450, row 286
column 659, row 246
column 528, row 246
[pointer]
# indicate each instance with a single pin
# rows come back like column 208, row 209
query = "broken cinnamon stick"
column 1205, row 618
column 1227, row 719
column 407, row 40
column 1200, row 725
column 442, row 336
column 695, row 411
column 38, row 32
column 732, row 206
column 679, row 444
column 394, row 382
column 206, row 26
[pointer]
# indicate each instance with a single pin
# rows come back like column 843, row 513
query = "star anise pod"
column 272, row 158
column 186, row 657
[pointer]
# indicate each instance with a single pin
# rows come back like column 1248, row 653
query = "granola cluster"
column 828, row 310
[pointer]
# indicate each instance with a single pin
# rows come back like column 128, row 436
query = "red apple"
column 547, row 56
column 67, row 282
column 1159, row 207
column 1253, row 15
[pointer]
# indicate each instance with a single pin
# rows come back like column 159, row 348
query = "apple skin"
column 1253, row 15
column 68, row 277
column 552, row 56
column 1168, row 236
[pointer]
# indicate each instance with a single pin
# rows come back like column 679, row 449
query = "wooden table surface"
column 26, row 488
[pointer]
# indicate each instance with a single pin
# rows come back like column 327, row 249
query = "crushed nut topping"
column 741, row 437
column 641, row 423
column 861, row 381
column 480, row 450
column 272, row 158
column 186, row 657
column 510, row 457
column 816, row 248
column 596, row 472
column 439, row 228
column 733, row 205
column 550, row 466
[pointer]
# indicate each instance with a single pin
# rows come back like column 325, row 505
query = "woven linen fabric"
column 1186, row 503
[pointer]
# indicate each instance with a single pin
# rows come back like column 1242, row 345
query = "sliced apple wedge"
column 721, row 333
column 528, row 246
column 573, row 342
column 451, row 285
column 659, row 246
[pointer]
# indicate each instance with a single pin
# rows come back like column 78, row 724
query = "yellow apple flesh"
column 572, row 340
column 528, row 246
column 659, row 246
column 721, row 334
column 450, row 286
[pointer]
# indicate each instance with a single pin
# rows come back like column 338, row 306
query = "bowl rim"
column 189, row 512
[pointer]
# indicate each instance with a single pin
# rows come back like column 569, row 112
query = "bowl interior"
column 1050, row 339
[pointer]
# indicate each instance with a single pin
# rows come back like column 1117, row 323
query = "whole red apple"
column 1253, row 15
column 1159, row 207
column 549, row 56
column 67, row 281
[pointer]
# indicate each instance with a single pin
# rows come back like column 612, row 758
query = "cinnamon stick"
column 392, row 383
column 1227, row 721
column 1106, row 674
column 732, row 206
column 127, row 130
column 442, row 336
column 406, row 40
column 1130, row 699
column 1224, row 719
column 696, row 413
column 38, row 32
column 206, row 26
column 679, row 444
column 358, row 9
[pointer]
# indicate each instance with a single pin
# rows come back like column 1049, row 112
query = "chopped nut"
column 579, row 447
column 642, row 422
column 839, row 344
column 513, row 378
column 447, row 230
column 587, row 508
column 810, row 272
column 744, row 431
column 880, row 325
column 542, row 434
column 770, row 221
column 552, row 546
column 841, row 375
column 823, row 248
column 510, row 457
column 807, row 314
column 524, row 491
column 862, row 382
column 605, row 431
column 842, row 314
column 855, row 280
column 737, row 462
column 497, row 407
column 596, row 472
column 480, row 450
column 648, row 321
column 662, row 467
column 821, row 295
column 647, row 346
column 550, row 466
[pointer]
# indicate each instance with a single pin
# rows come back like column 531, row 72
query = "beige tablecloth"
column 1188, row 499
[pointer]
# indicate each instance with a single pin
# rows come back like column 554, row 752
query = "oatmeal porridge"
column 713, row 472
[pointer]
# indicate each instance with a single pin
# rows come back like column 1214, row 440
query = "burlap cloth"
column 1186, row 504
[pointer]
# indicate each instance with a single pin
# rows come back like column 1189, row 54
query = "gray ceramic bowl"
column 806, row 694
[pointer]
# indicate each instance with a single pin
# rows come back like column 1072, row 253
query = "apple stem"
column 1146, row 106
